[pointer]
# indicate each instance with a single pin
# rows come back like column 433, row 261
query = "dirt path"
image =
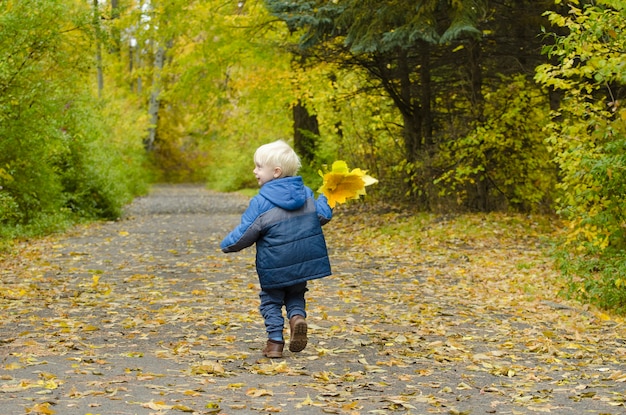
column 146, row 316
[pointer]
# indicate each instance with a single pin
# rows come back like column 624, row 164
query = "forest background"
column 455, row 106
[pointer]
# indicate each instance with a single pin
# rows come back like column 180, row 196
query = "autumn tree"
column 392, row 44
column 435, row 62
column 588, row 141
column 207, row 74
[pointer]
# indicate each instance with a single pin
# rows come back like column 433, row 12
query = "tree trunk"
column 425, row 107
column 305, row 125
column 305, row 132
column 475, row 79
column 416, row 107
column 96, row 23
column 481, row 191
column 411, row 117
column 115, row 32
column 153, row 109
column 335, row 105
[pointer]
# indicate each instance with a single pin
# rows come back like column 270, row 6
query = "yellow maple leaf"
column 341, row 183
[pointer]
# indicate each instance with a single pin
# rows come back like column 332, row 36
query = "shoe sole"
column 273, row 355
column 298, row 340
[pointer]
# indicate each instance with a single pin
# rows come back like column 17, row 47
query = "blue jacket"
column 285, row 221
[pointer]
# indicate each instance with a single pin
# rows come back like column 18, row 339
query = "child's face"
column 265, row 173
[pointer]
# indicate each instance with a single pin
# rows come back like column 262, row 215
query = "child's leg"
column 272, row 311
column 296, row 312
column 295, row 303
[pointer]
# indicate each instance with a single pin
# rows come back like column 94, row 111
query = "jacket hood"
column 287, row 193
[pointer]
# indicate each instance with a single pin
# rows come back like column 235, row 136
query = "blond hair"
column 278, row 154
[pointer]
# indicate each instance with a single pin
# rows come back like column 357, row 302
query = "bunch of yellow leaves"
column 341, row 183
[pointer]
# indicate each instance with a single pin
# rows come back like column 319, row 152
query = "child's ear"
column 278, row 172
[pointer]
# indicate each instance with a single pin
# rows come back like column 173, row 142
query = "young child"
column 285, row 221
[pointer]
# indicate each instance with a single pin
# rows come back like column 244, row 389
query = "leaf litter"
column 424, row 314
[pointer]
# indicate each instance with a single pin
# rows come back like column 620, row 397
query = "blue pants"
column 272, row 302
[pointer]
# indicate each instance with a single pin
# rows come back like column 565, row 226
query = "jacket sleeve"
column 246, row 233
column 324, row 212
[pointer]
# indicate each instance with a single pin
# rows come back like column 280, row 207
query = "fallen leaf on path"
column 255, row 393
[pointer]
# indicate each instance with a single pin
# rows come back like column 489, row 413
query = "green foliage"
column 505, row 154
column 224, row 88
column 394, row 25
column 433, row 62
column 60, row 156
column 384, row 86
column 356, row 125
column 100, row 174
column 599, row 279
column 588, row 140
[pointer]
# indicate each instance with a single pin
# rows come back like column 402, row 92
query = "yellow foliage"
column 341, row 183
column 6, row 176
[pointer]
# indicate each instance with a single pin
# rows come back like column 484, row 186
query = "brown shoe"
column 273, row 349
column 298, row 339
